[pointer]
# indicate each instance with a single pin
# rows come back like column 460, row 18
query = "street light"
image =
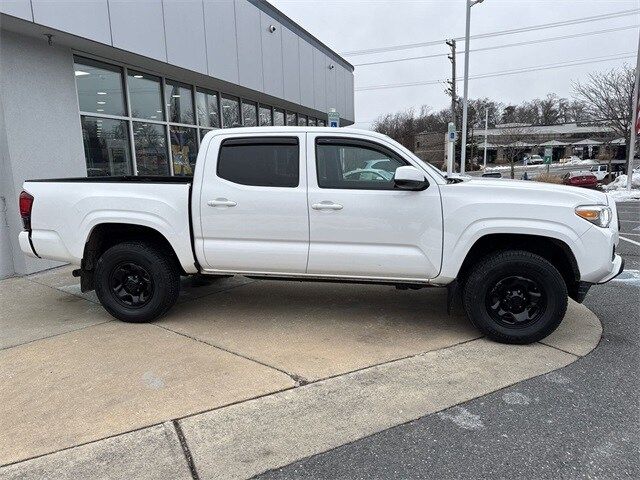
column 463, row 153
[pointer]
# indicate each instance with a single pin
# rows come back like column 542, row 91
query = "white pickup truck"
column 325, row 204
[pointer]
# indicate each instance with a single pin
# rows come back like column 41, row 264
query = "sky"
column 349, row 25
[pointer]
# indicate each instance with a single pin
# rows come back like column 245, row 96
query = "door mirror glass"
column 410, row 178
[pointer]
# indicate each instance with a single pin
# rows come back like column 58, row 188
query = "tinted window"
column 260, row 162
column 106, row 146
column 99, row 87
column 355, row 166
column 179, row 102
column 144, row 95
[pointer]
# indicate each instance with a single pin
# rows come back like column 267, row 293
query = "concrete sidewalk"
column 241, row 377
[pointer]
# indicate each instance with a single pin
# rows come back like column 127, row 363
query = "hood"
column 562, row 194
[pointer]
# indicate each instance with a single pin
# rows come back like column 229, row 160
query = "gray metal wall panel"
column 249, row 45
column 85, row 18
column 331, row 75
column 291, row 66
column 272, row 56
column 184, row 34
column 341, row 87
column 319, row 80
column 222, row 48
column 139, row 27
column 17, row 8
column 306, row 74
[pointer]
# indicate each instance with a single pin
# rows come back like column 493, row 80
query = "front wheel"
column 136, row 282
column 515, row 297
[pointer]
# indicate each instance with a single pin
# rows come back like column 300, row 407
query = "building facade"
column 121, row 87
column 585, row 140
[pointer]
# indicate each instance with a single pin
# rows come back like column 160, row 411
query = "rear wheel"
column 515, row 297
column 136, row 282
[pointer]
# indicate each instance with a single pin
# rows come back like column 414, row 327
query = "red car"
column 580, row 179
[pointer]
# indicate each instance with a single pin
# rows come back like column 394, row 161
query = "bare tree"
column 608, row 96
column 516, row 144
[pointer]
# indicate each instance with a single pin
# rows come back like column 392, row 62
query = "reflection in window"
column 203, row 132
column 179, row 102
column 321, row 123
column 151, row 148
column 292, row 119
column 278, row 117
column 302, row 120
column 99, row 87
column 207, row 108
column 312, row 122
column 249, row 114
column 106, row 146
column 144, row 96
column 265, row 116
column 358, row 167
column 184, row 149
column 230, row 111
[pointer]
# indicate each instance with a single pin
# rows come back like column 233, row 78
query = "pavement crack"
column 185, row 449
column 295, row 378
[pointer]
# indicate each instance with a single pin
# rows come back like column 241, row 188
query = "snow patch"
column 617, row 190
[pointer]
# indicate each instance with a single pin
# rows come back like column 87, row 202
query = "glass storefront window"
column 179, row 102
column 150, row 144
column 302, row 120
column 230, row 111
column 99, row 87
column 292, row 119
column 144, row 96
column 265, row 116
column 249, row 114
column 207, row 108
column 278, row 117
column 321, row 123
column 312, row 122
column 204, row 131
column 184, row 149
column 106, row 146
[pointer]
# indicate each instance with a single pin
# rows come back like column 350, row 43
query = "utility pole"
column 452, row 83
column 486, row 127
column 451, row 151
column 634, row 123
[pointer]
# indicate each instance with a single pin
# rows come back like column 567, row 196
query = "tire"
column 136, row 282
column 515, row 297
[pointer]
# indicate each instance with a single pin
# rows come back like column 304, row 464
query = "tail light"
column 26, row 203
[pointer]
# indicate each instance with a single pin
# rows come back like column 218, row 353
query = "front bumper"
column 618, row 268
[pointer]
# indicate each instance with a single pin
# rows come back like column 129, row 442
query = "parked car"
column 533, row 160
column 273, row 202
column 580, row 179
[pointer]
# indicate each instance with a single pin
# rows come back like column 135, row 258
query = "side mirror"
column 410, row 178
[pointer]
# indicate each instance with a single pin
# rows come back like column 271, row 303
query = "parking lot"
column 242, row 377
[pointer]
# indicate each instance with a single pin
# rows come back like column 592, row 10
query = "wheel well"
column 555, row 251
column 106, row 235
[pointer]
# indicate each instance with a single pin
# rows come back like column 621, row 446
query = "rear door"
column 360, row 224
column 253, row 204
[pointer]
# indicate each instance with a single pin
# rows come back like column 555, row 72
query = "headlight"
column 597, row 214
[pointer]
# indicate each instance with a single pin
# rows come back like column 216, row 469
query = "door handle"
column 221, row 202
column 326, row 205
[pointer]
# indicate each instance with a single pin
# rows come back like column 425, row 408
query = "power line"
column 530, row 28
column 571, row 63
column 507, row 45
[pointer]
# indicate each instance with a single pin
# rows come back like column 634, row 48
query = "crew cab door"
column 253, row 204
column 361, row 225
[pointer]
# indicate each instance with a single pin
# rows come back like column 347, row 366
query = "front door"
column 253, row 205
column 360, row 224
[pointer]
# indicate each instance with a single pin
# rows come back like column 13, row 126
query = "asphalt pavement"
column 578, row 422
